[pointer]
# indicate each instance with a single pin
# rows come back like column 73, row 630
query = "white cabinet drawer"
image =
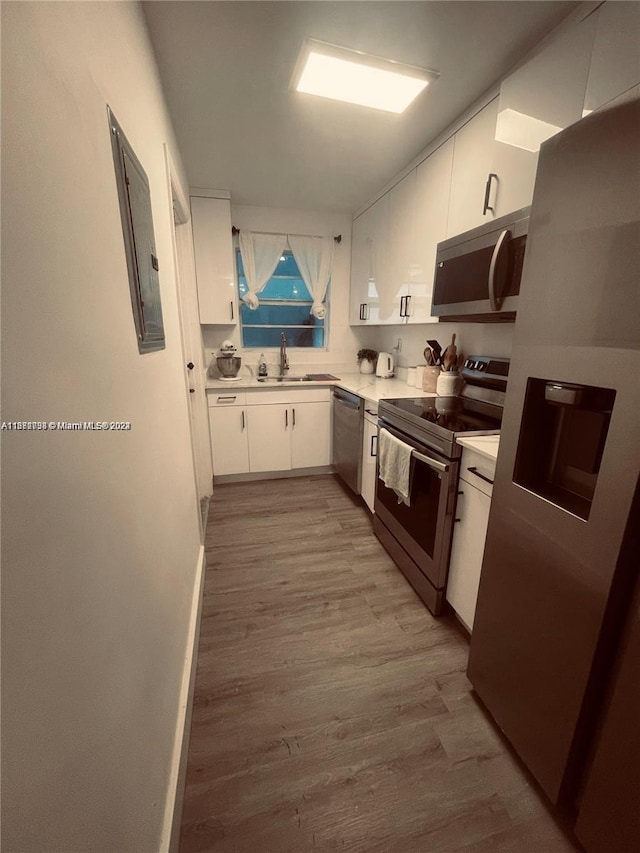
column 219, row 398
column 477, row 470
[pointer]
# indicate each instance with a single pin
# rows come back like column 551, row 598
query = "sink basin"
column 284, row 378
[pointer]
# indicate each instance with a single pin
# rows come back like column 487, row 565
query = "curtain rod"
column 235, row 231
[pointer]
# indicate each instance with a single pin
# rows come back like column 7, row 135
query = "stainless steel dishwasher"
column 348, row 424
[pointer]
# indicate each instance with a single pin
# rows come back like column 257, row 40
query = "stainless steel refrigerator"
column 555, row 654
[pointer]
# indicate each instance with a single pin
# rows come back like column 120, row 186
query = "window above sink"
column 285, row 306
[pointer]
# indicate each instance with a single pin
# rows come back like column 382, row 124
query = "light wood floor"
column 331, row 709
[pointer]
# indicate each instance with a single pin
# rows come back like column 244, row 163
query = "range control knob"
column 481, row 365
column 468, row 363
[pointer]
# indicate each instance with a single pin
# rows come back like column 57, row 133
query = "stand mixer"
column 228, row 362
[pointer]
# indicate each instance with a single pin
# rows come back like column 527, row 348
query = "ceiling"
column 226, row 68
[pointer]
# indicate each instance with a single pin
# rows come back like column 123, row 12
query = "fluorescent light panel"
column 346, row 75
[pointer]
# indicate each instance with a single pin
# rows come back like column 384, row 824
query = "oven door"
column 423, row 530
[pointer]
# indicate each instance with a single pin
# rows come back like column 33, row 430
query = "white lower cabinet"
column 369, row 455
column 228, row 433
column 310, row 434
column 269, row 438
column 469, row 534
column 264, row 431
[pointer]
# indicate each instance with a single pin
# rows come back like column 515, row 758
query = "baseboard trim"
column 173, row 807
column 272, row 475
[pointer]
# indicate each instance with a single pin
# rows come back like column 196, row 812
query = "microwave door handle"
column 495, row 301
column 432, row 463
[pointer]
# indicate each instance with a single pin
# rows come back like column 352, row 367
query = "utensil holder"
column 430, row 377
column 448, row 384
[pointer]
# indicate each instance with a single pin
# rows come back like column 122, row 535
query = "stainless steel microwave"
column 477, row 275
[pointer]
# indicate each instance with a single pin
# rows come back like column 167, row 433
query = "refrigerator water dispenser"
column 562, row 438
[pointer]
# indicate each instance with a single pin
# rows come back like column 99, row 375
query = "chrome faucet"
column 284, row 359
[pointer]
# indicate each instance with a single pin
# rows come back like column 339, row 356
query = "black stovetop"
column 456, row 414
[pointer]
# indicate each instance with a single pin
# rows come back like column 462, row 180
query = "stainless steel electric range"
column 418, row 536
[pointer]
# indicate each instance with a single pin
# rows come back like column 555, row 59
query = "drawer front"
column 220, row 398
column 288, row 396
column 477, row 470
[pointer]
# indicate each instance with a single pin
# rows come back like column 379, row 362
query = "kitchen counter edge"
column 370, row 388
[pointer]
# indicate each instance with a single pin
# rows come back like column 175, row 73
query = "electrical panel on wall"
column 139, row 242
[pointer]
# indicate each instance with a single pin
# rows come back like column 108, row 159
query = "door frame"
column 190, row 338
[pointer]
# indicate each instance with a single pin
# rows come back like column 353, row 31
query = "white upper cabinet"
column 472, row 165
column 369, row 262
column 487, row 168
column 214, row 260
column 538, row 100
column 433, row 177
column 615, row 60
column 394, row 245
column 393, row 288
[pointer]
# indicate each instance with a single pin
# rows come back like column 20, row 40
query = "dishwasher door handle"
column 347, row 401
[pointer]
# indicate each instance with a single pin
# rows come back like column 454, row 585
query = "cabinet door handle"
column 366, row 310
column 487, row 192
column 286, row 418
column 231, row 306
column 226, row 399
column 361, row 310
column 293, row 417
column 371, row 450
column 475, row 471
column 373, row 414
column 242, row 421
column 403, row 306
column 190, row 366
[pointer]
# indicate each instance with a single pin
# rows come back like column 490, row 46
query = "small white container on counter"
column 449, row 384
column 419, row 375
column 411, row 376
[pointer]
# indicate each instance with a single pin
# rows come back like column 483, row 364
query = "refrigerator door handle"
column 494, row 300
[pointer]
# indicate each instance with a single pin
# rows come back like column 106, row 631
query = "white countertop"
column 487, row 445
column 365, row 385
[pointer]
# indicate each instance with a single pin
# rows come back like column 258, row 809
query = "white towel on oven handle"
column 394, row 465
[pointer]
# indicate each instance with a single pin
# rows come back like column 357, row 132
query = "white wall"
column 100, row 531
column 343, row 343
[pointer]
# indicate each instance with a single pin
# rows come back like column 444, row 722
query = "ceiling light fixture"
column 347, row 75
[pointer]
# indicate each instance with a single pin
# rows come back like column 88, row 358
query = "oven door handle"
column 428, row 460
column 432, row 463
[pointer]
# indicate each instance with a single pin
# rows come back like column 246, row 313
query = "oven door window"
column 420, row 519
